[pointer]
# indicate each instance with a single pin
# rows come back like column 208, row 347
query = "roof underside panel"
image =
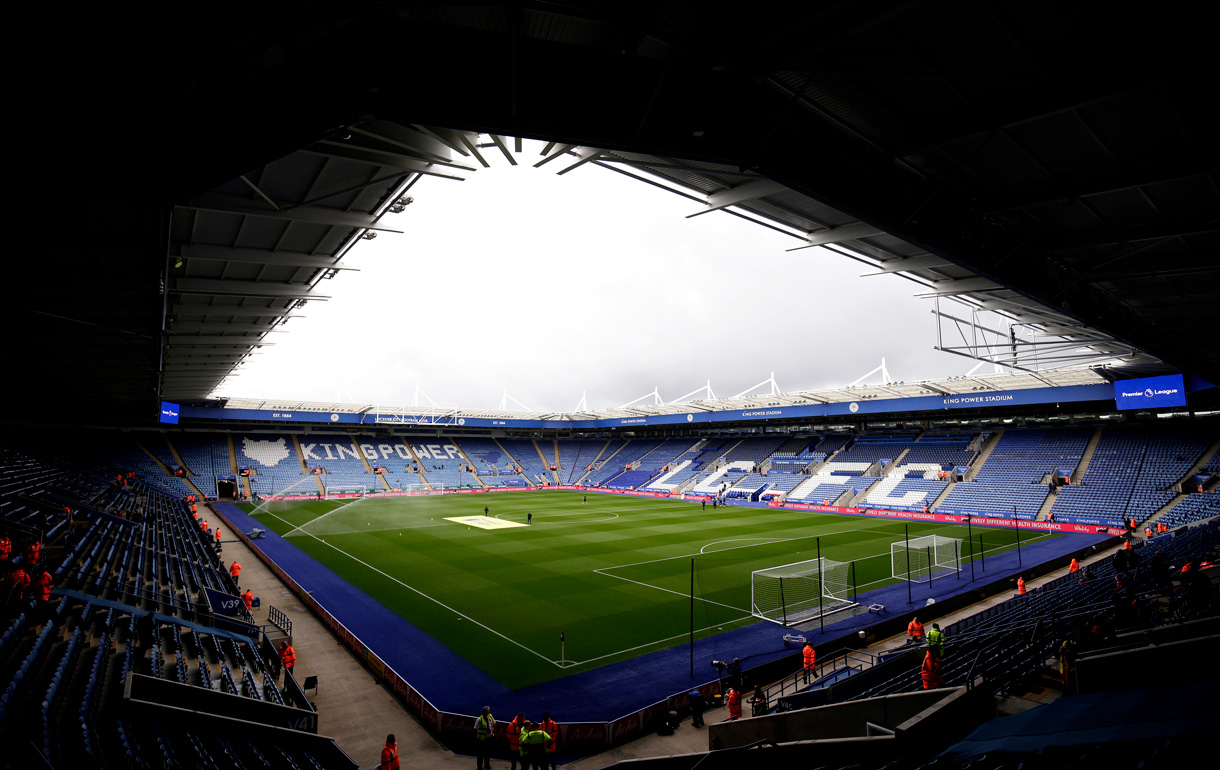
column 1062, row 151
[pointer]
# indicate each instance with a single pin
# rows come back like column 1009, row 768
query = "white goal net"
column 805, row 590
column 923, row 558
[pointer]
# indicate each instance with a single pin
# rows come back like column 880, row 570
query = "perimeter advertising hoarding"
column 1150, row 392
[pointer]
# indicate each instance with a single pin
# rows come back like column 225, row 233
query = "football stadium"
column 1010, row 567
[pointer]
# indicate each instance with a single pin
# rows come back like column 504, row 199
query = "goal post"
column 921, row 559
column 802, row 591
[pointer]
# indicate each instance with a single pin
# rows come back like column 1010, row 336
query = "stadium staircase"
column 988, row 447
column 1203, row 461
column 599, row 463
column 943, row 494
column 829, row 458
column 187, row 472
column 233, row 453
column 1045, row 509
column 857, row 499
column 194, row 489
column 516, row 462
column 878, row 470
column 156, row 459
column 245, row 481
column 1196, row 467
column 592, row 465
column 1086, row 457
column 305, row 469
column 1164, row 509
column 468, row 461
column 368, row 468
column 546, row 464
column 674, row 471
column 418, row 464
column 1044, row 686
column 173, row 452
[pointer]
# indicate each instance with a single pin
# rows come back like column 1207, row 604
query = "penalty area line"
column 669, row 591
column 769, row 541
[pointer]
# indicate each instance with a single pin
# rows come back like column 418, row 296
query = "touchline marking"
column 603, row 571
column 424, row 595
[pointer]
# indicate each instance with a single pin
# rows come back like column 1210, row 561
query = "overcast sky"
column 549, row 286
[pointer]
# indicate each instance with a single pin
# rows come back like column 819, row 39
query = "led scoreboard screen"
column 169, row 413
column 1150, row 392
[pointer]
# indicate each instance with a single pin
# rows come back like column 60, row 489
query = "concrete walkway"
column 358, row 712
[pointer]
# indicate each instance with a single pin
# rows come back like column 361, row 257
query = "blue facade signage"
column 1072, row 393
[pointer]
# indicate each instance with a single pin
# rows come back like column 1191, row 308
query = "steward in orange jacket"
column 1074, row 566
column 734, row 701
column 915, row 630
column 32, row 552
column 551, row 728
column 288, row 657
column 389, row 754
column 513, row 733
column 20, row 582
column 42, row 587
column 929, row 672
column 810, row 659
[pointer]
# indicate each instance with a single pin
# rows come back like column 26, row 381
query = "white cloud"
column 543, row 286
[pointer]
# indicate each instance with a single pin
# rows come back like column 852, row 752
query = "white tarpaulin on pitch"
column 483, row 522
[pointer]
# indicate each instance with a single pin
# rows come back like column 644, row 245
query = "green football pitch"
column 616, row 576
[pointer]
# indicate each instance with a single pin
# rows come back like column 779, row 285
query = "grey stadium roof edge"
column 202, row 180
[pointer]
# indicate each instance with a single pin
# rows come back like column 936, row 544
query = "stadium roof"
column 951, row 386
column 1051, row 161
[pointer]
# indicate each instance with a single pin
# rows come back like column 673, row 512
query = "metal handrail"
column 838, row 661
